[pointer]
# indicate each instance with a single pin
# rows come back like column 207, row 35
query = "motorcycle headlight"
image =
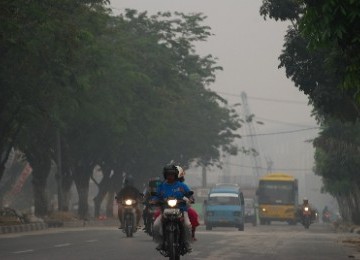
column 172, row 203
column 263, row 209
column 129, row 202
column 306, row 209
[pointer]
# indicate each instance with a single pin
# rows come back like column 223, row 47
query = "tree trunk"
column 41, row 170
column 343, row 207
column 356, row 208
column 67, row 181
column 5, row 145
column 347, row 207
column 83, row 192
column 97, row 202
column 40, row 198
column 82, row 178
column 4, row 160
column 2, row 169
column 103, row 186
column 110, row 205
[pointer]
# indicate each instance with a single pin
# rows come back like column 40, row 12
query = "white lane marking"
column 91, row 241
column 23, row 251
column 62, row 245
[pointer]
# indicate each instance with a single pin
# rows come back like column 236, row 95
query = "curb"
column 355, row 230
column 54, row 224
column 90, row 223
column 22, row 228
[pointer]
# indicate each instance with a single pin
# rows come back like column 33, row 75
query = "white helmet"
column 181, row 172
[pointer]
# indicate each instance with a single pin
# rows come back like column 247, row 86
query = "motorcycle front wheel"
column 152, row 229
column 306, row 223
column 149, row 226
column 173, row 246
column 129, row 225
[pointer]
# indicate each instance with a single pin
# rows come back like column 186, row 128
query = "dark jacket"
column 129, row 192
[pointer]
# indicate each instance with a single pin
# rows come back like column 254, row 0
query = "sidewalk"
column 22, row 228
column 56, row 224
column 346, row 228
column 355, row 229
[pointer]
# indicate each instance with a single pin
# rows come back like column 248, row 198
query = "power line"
column 284, row 132
column 281, row 122
column 264, row 99
column 274, row 170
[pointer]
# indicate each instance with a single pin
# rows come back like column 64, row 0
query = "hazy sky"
column 247, row 47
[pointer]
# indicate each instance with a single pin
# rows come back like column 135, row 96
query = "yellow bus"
column 277, row 196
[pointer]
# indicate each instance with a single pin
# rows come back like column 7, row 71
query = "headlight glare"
column 172, row 202
column 128, row 202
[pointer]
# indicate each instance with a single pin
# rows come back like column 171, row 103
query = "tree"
column 125, row 93
column 39, row 69
column 164, row 80
column 318, row 73
column 335, row 24
column 313, row 60
column 337, row 161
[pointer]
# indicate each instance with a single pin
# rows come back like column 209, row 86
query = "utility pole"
column 252, row 136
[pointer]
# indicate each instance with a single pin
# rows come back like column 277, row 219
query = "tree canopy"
column 321, row 56
column 126, row 92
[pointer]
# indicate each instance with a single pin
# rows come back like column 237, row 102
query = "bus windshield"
column 276, row 192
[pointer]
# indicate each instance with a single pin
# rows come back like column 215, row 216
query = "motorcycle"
column 172, row 221
column 326, row 217
column 129, row 217
column 306, row 217
column 151, row 211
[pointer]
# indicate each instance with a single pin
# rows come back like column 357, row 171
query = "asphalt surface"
column 277, row 241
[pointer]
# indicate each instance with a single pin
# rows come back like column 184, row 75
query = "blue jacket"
column 176, row 190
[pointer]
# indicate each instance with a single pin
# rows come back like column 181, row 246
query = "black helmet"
column 128, row 181
column 170, row 169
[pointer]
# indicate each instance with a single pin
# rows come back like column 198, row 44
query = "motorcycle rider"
column 303, row 206
column 326, row 215
column 128, row 191
column 172, row 187
column 150, row 197
column 305, row 203
column 193, row 215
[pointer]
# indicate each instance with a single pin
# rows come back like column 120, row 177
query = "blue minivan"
column 224, row 207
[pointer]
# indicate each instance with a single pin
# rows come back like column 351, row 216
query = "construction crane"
column 251, row 139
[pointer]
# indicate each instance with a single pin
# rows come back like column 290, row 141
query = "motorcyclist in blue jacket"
column 172, row 187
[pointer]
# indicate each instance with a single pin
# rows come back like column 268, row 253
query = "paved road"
column 278, row 241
